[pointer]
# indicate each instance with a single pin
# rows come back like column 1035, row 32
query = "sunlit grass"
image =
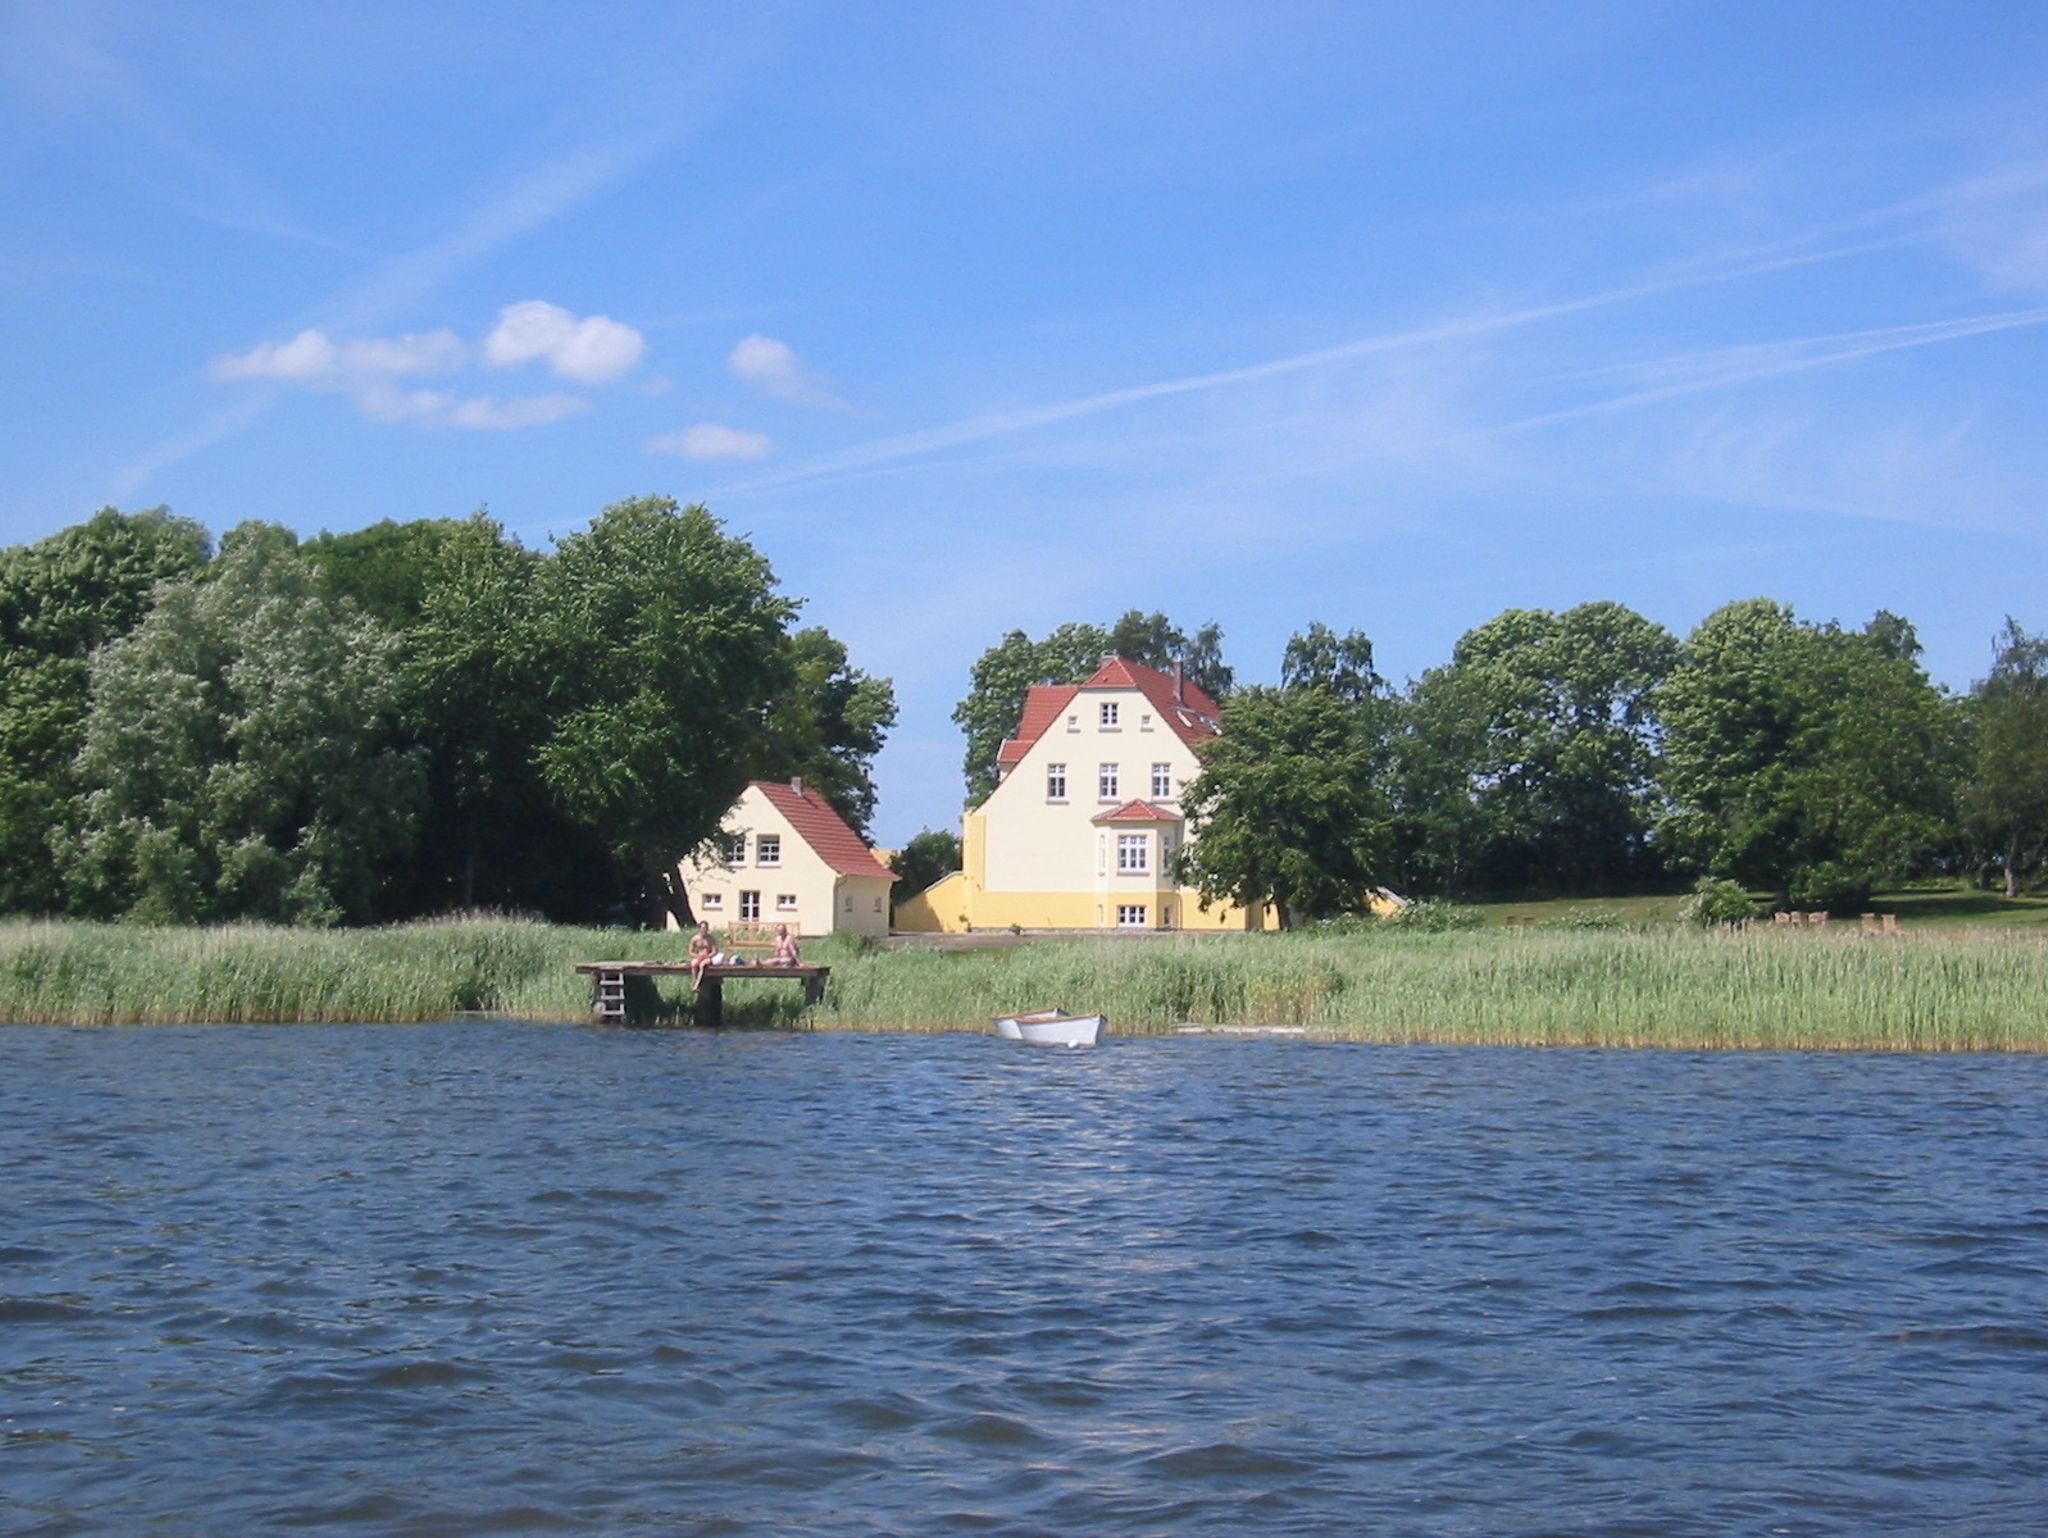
column 1951, row 990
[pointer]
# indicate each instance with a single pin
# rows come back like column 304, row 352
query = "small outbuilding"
column 785, row 856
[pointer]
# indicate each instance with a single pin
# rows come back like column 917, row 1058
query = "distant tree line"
column 1589, row 752
column 410, row 719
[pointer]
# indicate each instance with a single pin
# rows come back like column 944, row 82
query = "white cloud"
column 313, row 358
column 773, row 368
column 710, row 440
column 436, row 408
column 591, row 349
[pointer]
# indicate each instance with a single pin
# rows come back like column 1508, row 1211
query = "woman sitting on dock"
column 703, row 952
column 785, row 948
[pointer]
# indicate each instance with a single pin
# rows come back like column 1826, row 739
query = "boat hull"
column 1010, row 1027
column 1061, row 1031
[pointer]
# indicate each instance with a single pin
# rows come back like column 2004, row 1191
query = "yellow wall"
column 940, row 908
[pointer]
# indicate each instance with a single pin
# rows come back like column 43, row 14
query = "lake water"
column 485, row 1278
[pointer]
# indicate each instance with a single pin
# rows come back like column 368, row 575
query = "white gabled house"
column 785, row 856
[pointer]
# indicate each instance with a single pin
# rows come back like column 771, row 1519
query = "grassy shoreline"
column 1958, row 990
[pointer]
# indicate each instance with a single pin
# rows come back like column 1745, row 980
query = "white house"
column 786, row 857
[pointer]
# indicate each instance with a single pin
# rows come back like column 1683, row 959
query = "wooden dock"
column 608, row 984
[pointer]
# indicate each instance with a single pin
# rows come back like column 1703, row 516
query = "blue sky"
column 980, row 316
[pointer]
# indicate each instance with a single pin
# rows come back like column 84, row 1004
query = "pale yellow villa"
column 1084, row 823
column 786, row 857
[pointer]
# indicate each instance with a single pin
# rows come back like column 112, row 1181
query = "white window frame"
column 735, row 850
column 1073, row 723
column 750, row 907
column 1133, row 854
column 1106, row 716
column 785, row 902
column 1056, row 782
column 1131, row 916
column 1162, row 782
column 711, row 900
column 1106, row 780
column 768, row 850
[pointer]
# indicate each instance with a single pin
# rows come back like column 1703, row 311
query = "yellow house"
column 785, row 856
column 1084, row 823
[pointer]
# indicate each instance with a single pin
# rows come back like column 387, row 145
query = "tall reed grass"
column 1980, row 990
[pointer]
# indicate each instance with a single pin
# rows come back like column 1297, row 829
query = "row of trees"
column 403, row 720
column 1591, row 751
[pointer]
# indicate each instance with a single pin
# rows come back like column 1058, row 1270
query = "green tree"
column 238, row 759
column 1530, row 759
column 475, row 700
column 1319, row 657
column 2005, row 798
column 1807, row 760
column 829, row 724
column 930, row 856
column 60, row 600
column 1289, row 809
column 1157, row 642
column 387, row 568
column 663, row 642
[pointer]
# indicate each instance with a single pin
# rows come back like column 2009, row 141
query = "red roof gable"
column 1191, row 700
column 1137, row 811
column 1043, row 705
column 818, row 825
column 1186, row 708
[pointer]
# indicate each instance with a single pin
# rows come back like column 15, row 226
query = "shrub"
column 1586, row 918
column 1716, row 902
column 1432, row 915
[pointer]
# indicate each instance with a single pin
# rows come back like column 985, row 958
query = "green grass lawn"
column 1924, row 903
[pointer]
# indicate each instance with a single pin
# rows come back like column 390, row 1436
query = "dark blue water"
column 496, row 1279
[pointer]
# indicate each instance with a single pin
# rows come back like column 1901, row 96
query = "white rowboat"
column 1051, row 1027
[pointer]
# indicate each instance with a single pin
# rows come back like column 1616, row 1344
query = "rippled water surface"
column 489, row 1279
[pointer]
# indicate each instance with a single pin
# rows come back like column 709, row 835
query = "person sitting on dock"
column 785, row 948
column 703, row 952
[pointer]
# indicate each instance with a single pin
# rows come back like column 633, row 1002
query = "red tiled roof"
column 1187, row 708
column 1137, row 811
column 1043, row 704
column 818, row 825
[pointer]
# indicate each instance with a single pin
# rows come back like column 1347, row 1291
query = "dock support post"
column 711, row 1001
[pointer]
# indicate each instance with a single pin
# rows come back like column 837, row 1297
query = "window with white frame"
column 1145, row 723
column 712, row 900
column 736, row 849
column 1162, row 782
column 1073, row 723
column 785, row 902
column 1105, row 782
column 878, row 905
column 1132, row 852
column 849, row 902
column 1055, row 782
column 768, row 849
column 1130, row 915
column 750, row 907
column 1107, row 715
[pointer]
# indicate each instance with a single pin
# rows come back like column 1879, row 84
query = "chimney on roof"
column 1108, row 658
column 1180, row 683
column 796, row 783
